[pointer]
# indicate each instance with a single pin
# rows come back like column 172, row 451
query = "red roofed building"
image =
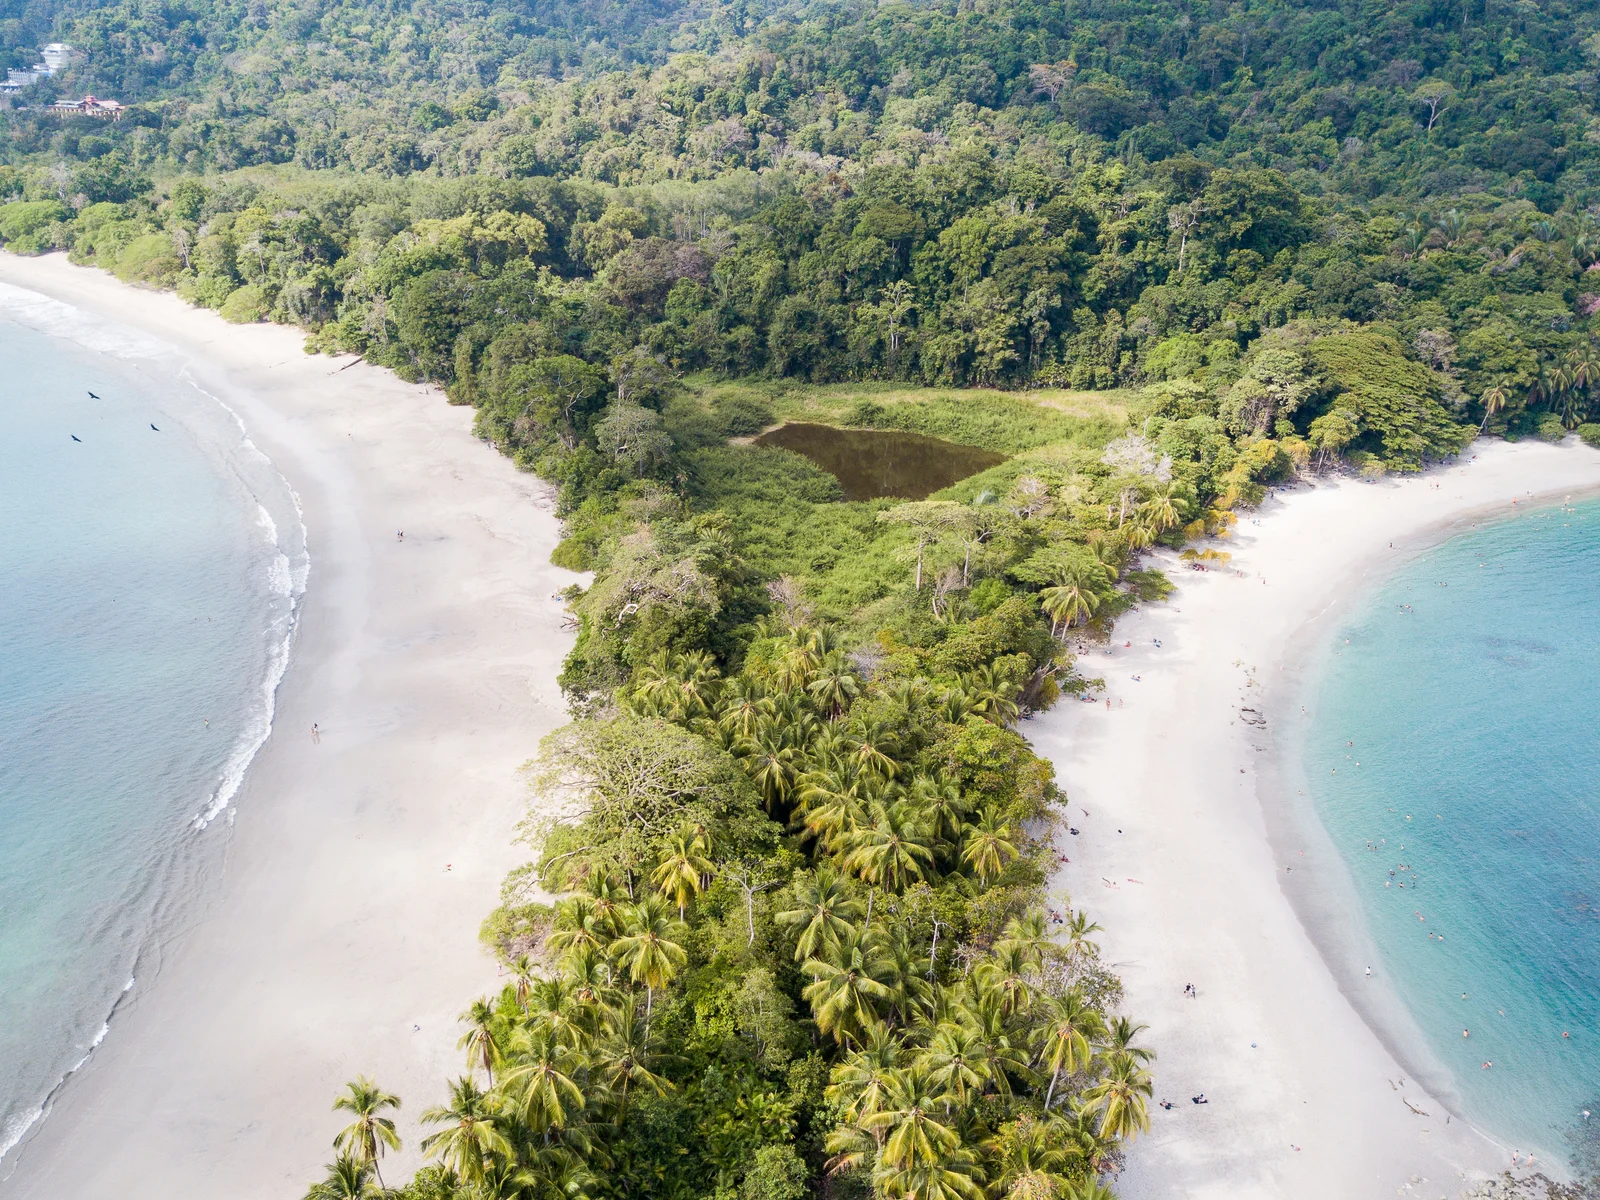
column 89, row 106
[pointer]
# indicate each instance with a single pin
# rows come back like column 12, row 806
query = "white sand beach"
column 1185, row 836
column 342, row 938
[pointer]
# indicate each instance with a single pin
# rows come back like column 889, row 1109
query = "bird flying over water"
column 153, row 426
column 92, row 396
column 74, row 437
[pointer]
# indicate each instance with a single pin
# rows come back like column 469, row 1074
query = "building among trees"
column 56, row 57
column 89, row 106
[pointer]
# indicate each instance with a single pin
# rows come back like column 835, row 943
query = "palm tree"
column 648, row 949
column 1582, row 372
column 988, row 845
column 1072, row 598
column 892, row 850
column 677, row 687
column 587, row 975
column 916, row 1137
column 1119, row 1039
column 957, row 1064
column 909, row 974
column 996, row 693
column 1079, row 927
column 954, row 703
column 1004, row 975
column 622, row 1054
column 370, row 1133
column 834, row 685
column 861, row 1083
column 1032, row 1160
column 1088, row 1188
column 954, row 1176
column 1160, row 511
column 823, row 910
column 1070, row 1026
column 986, row 1011
column 347, row 1180
column 557, row 1173
column 471, row 1137
column 743, row 706
column 1493, row 400
column 942, row 804
column 1029, row 935
column 873, row 744
column 479, row 1039
column 523, row 970
column 769, row 760
column 831, row 805
column 577, row 924
column 848, row 984
column 1119, row 1097
column 554, row 1004
column 540, row 1080
column 683, row 870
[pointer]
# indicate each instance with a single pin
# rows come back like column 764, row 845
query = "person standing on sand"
column 316, row 734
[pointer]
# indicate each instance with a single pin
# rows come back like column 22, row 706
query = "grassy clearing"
column 789, row 516
column 1007, row 422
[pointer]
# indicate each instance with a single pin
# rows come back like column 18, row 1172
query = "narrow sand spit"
column 342, row 939
column 1190, row 829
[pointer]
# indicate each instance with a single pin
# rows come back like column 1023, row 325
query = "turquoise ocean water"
column 148, row 584
column 1467, row 811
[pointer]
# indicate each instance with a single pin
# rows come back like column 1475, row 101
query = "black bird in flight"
column 152, row 426
column 74, row 437
column 92, row 396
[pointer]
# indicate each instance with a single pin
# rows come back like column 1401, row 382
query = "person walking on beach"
column 316, row 734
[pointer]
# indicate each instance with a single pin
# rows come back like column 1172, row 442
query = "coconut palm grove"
column 786, row 924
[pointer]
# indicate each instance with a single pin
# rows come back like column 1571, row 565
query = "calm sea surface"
column 1455, row 761
column 148, row 584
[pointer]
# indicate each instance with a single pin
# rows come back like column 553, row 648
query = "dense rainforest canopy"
column 787, row 927
column 1089, row 194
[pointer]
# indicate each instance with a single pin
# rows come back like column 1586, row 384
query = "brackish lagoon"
column 874, row 463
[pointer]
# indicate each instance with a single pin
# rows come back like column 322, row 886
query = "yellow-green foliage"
column 148, row 258
column 1258, row 464
column 25, row 224
column 244, row 305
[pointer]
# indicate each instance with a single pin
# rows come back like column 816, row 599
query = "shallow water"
column 873, row 463
column 148, row 582
column 1454, row 761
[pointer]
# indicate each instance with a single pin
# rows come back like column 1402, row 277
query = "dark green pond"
column 870, row 463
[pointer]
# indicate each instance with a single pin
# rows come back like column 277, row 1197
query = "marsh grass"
column 790, row 517
column 1006, row 422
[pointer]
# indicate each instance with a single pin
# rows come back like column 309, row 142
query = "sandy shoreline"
column 1182, row 856
column 337, row 942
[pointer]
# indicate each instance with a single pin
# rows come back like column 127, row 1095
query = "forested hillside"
column 797, row 938
column 996, row 194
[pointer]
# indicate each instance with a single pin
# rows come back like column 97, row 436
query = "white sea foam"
column 57, row 319
column 18, row 1127
column 285, row 582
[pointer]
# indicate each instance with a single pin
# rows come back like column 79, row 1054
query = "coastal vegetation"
column 786, row 925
